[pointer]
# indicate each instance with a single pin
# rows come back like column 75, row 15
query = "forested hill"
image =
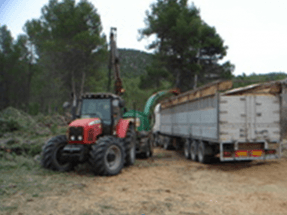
column 133, row 62
column 244, row 80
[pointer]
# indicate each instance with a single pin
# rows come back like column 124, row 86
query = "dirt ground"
column 170, row 184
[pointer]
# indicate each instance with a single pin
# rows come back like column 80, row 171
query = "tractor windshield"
column 100, row 108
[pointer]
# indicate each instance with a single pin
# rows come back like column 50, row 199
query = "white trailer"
column 240, row 124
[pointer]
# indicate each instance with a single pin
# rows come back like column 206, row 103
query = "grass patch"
column 106, row 207
column 8, row 209
column 23, row 176
column 160, row 155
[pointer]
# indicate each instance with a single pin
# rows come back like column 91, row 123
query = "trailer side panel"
column 197, row 118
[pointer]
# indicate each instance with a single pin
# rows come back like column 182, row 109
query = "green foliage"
column 61, row 47
column 132, row 65
column 98, row 82
column 19, row 120
column 34, row 108
column 185, row 45
column 134, row 95
column 70, row 46
column 23, row 175
column 24, row 134
column 133, row 62
column 244, row 80
column 8, row 125
column 16, row 70
column 155, row 75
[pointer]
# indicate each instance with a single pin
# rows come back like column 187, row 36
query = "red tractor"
column 100, row 136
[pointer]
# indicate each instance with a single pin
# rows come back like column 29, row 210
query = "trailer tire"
column 193, row 150
column 160, row 140
column 130, row 146
column 156, row 140
column 187, row 149
column 51, row 155
column 148, row 153
column 107, row 156
column 167, row 143
column 202, row 153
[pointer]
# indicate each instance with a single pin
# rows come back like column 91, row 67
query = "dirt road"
column 170, row 184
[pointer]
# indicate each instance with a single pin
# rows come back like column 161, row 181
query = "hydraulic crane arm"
column 114, row 63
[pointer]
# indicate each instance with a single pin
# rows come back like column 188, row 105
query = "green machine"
column 143, row 125
column 143, row 119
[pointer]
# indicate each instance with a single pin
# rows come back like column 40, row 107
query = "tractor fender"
column 122, row 127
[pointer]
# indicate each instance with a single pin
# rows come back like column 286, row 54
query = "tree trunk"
column 29, row 78
column 195, row 82
column 74, row 105
column 83, row 83
column 49, row 108
column 178, row 82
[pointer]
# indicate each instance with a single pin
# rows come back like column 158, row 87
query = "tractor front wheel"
column 52, row 155
column 107, row 156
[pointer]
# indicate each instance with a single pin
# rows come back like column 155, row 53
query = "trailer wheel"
column 149, row 151
column 167, row 143
column 202, row 151
column 159, row 140
column 187, row 149
column 130, row 146
column 146, row 154
column 107, row 156
column 193, row 150
column 156, row 140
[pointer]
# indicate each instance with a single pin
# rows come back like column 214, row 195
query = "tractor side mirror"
column 118, row 103
column 122, row 103
column 125, row 110
column 115, row 103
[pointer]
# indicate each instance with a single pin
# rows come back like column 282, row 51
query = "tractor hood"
column 85, row 122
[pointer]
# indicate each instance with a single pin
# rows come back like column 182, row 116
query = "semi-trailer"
column 237, row 124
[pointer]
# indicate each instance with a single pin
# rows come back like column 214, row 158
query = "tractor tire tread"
column 48, row 160
column 97, row 153
column 126, row 143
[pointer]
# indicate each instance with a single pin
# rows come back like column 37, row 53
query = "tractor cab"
column 106, row 107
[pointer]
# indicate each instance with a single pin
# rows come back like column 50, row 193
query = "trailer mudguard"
column 122, row 128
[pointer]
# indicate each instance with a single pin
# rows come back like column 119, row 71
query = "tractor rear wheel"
column 52, row 155
column 107, row 156
column 130, row 146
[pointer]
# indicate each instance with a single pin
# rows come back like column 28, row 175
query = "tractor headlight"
column 80, row 138
column 72, row 137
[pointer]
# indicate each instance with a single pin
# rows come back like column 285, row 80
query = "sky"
column 254, row 30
